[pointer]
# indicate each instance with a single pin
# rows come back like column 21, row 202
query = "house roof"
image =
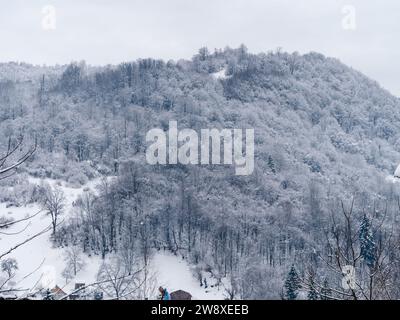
column 57, row 290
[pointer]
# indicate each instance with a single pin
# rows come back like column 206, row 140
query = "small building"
column 79, row 285
column 79, row 291
column 180, row 295
column 57, row 293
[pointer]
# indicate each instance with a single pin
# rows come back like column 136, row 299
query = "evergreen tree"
column 312, row 293
column 326, row 291
column 42, row 91
column 367, row 243
column 271, row 164
column 292, row 284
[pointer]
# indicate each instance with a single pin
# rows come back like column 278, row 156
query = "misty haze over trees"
column 326, row 138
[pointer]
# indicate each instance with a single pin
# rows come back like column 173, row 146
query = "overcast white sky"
column 113, row 31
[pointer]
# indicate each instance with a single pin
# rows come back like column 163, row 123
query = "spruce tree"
column 292, row 284
column 312, row 293
column 326, row 291
column 271, row 164
column 367, row 243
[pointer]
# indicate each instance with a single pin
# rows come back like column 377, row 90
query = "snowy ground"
column 41, row 265
column 174, row 273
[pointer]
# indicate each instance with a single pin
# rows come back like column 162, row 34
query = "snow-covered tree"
column 74, row 261
column 367, row 242
column 292, row 284
column 9, row 266
column 54, row 204
column 312, row 293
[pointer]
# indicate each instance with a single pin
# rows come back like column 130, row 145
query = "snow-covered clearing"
column 220, row 75
column 175, row 273
column 41, row 264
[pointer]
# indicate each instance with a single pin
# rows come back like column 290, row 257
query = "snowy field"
column 41, row 264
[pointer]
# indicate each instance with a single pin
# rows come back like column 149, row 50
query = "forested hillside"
column 326, row 138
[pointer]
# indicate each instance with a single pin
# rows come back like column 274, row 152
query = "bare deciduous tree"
column 14, row 157
column 74, row 261
column 54, row 204
column 118, row 280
